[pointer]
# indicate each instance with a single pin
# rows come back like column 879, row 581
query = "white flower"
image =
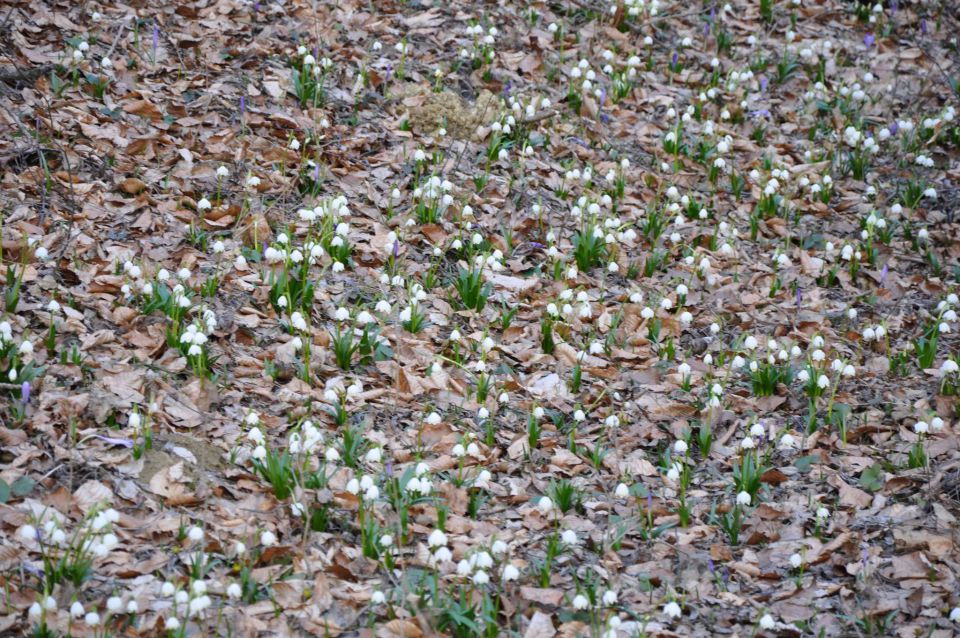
column 796, row 560
column 743, row 498
column 622, row 491
column 955, row 614
column 609, row 598
column 569, row 537
column 234, row 591
column 377, row 598
column 580, row 602
column 510, row 572
column 437, row 538
column 680, row 447
column 195, row 534
column 268, row 538
column 921, row 427
column 787, row 442
column 545, row 505
column 672, row 610
column 767, row 622
column 76, row 609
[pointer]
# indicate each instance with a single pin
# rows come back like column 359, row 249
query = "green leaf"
column 22, row 486
column 805, row 463
column 872, row 478
column 4, row 491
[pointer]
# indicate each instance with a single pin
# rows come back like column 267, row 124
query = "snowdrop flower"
column 268, row 538
column 195, row 534
column 436, row 539
column 545, row 505
column 580, row 602
column 767, row 622
column 744, row 498
column 510, row 573
column 622, row 491
column 796, row 560
column 672, row 610
column 921, row 427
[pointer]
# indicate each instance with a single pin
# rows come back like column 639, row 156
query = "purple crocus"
column 893, row 8
column 127, row 443
column 763, row 83
column 894, row 127
column 25, row 392
column 923, row 26
column 649, row 502
column 603, row 96
column 243, row 104
column 674, row 59
column 396, row 248
column 868, row 40
column 884, row 273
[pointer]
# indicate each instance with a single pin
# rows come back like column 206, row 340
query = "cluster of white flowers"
column 92, row 538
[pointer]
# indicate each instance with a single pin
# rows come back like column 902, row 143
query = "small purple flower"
column 316, row 51
column 388, row 468
column 156, row 40
column 649, row 501
column 127, row 443
column 674, row 59
column 536, row 244
column 893, row 8
column 799, row 297
column 868, row 40
column 243, row 104
column 603, row 96
column 396, row 248
column 25, row 392
column 884, row 273
column 711, row 566
column 923, row 26
column 763, row 83
column 507, row 88
column 316, row 173
column 894, row 127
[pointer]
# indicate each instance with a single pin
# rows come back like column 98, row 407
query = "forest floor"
column 478, row 319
